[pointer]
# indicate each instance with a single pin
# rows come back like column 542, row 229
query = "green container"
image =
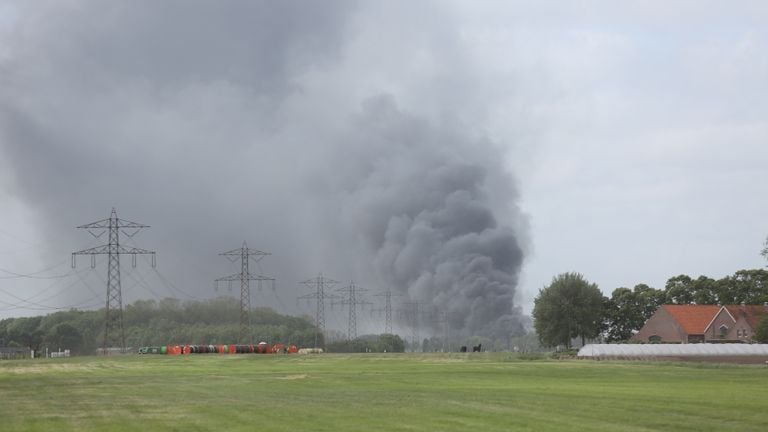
column 163, row 349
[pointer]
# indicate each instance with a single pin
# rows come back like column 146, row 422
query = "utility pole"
column 320, row 284
column 349, row 298
column 245, row 255
column 387, row 309
column 113, row 321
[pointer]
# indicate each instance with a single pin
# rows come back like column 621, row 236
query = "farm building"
column 13, row 353
column 702, row 323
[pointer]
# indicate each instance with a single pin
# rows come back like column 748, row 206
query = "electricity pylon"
column 412, row 310
column 387, row 309
column 350, row 299
column 245, row 255
column 113, row 321
column 320, row 283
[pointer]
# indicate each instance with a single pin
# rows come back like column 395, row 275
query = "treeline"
column 368, row 344
column 151, row 322
column 571, row 307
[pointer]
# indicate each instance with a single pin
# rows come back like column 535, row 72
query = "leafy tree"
column 624, row 314
column 761, row 331
column 390, row 343
column 627, row 310
column 745, row 286
column 64, row 336
column 650, row 299
column 684, row 290
column 569, row 307
column 26, row 332
column 764, row 252
column 679, row 289
column 368, row 343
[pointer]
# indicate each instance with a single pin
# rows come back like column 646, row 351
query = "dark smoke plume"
column 218, row 123
column 419, row 198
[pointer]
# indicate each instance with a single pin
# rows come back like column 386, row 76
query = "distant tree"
column 745, row 286
column 764, row 252
column 650, row 299
column 64, row 336
column 679, row 289
column 683, row 289
column 569, row 307
column 624, row 315
column 390, row 343
column 627, row 310
column 761, row 331
column 26, row 332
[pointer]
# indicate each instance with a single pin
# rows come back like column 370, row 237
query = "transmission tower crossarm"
column 106, row 249
column 238, row 276
column 320, row 279
column 113, row 223
column 247, row 251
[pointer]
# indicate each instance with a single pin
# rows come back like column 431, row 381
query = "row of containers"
column 260, row 348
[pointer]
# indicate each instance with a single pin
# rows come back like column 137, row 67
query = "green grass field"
column 430, row 392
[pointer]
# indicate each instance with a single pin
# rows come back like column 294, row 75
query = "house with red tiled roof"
column 678, row 323
column 735, row 323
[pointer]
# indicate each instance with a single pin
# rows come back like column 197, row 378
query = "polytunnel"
column 706, row 350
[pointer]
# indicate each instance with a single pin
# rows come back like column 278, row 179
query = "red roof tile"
column 693, row 318
column 753, row 313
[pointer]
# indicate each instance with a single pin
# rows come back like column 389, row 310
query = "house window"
column 738, row 333
column 723, row 330
column 654, row 339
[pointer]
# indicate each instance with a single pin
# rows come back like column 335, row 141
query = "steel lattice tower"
column 320, row 283
column 349, row 298
column 412, row 310
column 113, row 320
column 245, row 255
column 387, row 309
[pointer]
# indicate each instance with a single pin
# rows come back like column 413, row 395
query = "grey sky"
column 633, row 134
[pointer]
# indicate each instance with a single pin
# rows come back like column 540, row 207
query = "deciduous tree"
column 569, row 307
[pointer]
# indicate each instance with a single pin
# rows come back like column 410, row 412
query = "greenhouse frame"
column 650, row 351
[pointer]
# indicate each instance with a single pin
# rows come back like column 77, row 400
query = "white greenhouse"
column 672, row 350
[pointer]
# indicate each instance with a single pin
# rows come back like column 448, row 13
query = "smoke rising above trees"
column 263, row 122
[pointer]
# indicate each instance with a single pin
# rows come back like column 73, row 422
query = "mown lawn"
column 377, row 392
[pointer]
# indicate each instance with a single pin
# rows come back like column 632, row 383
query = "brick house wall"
column 722, row 327
column 663, row 325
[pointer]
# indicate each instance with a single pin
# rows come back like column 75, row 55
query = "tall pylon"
column 245, row 255
column 387, row 295
column 113, row 320
column 350, row 299
column 413, row 310
column 321, row 284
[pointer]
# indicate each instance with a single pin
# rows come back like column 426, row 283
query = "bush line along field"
column 379, row 392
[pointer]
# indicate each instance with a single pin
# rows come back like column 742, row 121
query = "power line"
column 113, row 322
column 34, row 275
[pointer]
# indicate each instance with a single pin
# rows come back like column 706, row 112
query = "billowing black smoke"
column 421, row 198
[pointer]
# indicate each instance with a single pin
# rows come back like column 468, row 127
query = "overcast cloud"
column 462, row 153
